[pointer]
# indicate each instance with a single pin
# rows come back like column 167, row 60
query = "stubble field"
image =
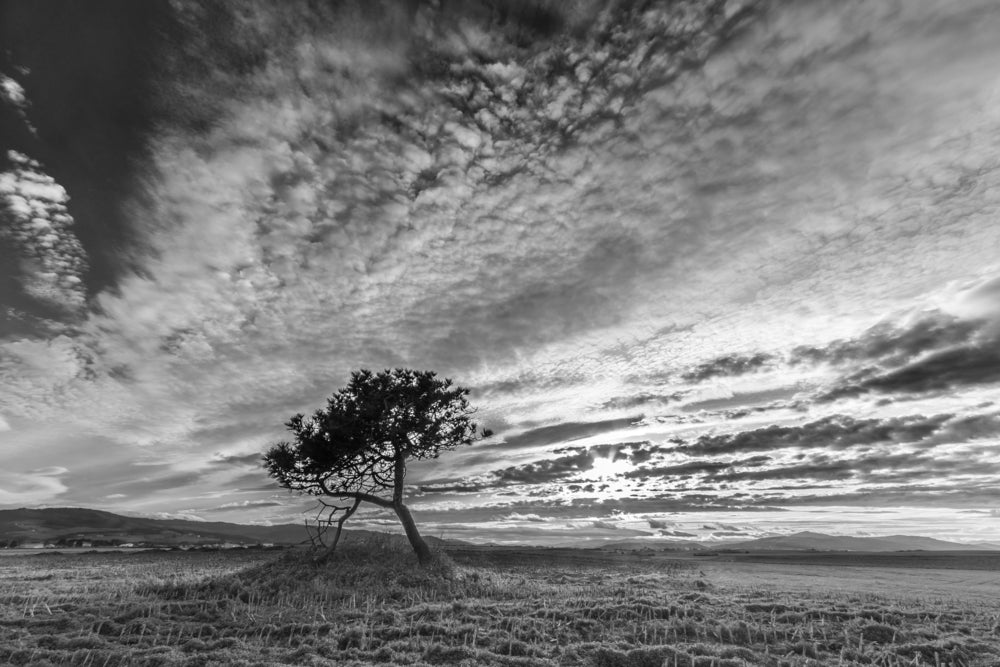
column 372, row 606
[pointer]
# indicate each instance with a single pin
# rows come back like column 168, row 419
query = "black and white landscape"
column 709, row 276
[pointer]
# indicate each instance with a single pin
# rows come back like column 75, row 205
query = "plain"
column 371, row 605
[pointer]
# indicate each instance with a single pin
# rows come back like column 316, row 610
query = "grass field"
column 371, row 605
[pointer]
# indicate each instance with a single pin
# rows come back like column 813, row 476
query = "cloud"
column 642, row 399
column 37, row 373
column 893, row 345
column 835, row 432
column 957, row 368
column 915, row 495
column 514, row 516
column 244, row 504
column 156, row 481
column 975, row 301
column 39, row 228
column 547, row 470
column 565, row 432
column 26, row 488
column 50, row 471
column 770, row 398
column 12, row 92
column 691, row 468
column 238, row 459
column 728, row 366
column 456, row 487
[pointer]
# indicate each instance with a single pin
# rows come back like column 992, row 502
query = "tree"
column 356, row 448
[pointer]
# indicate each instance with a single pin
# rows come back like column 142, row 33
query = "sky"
column 711, row 270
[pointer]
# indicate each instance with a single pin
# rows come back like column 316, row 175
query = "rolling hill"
column 73, row 524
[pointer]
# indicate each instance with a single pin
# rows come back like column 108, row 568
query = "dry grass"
column 371, row 605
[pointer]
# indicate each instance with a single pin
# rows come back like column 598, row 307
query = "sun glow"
column 606, row 468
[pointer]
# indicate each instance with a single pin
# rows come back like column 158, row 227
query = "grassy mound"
column 379, row 569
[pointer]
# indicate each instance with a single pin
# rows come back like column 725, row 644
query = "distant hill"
column 73, row 525
column 803, row 541
column 806, row 541
column 992, row 546
column 655, row 544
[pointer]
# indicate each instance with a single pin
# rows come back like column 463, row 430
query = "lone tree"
column 356, row 448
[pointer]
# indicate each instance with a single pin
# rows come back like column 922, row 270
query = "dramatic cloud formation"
column 690, row 257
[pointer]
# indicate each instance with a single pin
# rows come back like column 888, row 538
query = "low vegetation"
column 369, row 604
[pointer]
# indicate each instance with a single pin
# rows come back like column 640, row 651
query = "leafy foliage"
column 355, row 443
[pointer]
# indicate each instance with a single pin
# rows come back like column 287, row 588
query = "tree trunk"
column 420, row 547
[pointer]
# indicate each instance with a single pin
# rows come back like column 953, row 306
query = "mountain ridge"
column 68, row 525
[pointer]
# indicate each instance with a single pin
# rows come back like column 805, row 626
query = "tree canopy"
column 355, row 449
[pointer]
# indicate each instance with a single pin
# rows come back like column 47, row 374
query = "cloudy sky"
column 710, row 268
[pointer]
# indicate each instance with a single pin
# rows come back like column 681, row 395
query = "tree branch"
column 358, row 495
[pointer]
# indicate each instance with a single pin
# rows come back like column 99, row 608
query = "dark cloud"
column 833, row 432
column 896, row 469
column 544, row 471
column 644, row 452
column 892, row 345
column 820, row 469
column 537, row 472
column 966, row 366
column 691, row 468
column 937, row 353
column 642, row 399
column 963, row 429
column 728, row 366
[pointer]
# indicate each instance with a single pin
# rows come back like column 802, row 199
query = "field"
column 371, row 605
